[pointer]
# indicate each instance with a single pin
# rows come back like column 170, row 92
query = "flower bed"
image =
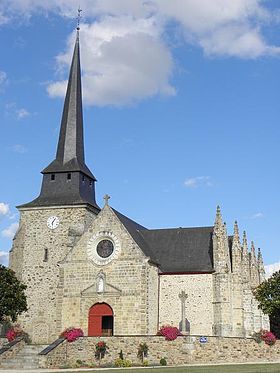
column 71, row 334
column 169, row 332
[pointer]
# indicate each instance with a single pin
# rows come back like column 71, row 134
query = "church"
column 96, row 269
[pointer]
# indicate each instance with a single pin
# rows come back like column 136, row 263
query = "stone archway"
column 100, row 320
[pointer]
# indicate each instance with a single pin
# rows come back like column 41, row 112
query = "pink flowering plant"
column 264, row 336
column 268, row 337
column 16, row 331
column 71, row 334
column 169, row 332
column 100, row 350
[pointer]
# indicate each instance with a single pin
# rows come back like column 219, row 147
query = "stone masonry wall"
column 130, row 281
column 41, row 276
column 183, row 350
column 199, row 302
column 3, row 341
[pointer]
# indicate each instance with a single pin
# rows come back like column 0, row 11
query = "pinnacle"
column 236, row 229
column 244, row 242
column 218, row 220
column 260, row 258
column 236, row 233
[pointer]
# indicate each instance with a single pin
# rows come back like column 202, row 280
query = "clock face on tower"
column 52, row 222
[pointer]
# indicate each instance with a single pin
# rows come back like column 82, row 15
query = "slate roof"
column 67, row 180
column 70, row 149
column 174, row 250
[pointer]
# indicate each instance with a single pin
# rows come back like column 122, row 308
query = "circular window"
column 105, row 248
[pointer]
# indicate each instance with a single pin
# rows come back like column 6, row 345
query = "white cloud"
column 257, row 215
column 222, row 27
column 13, row 110
column 18, row 148
column 124, row 51
column 3, row 19
column 271, row 268
column 22, row 113
column 4, row 255
column 10, row 231
column 3, row 77
column 4, row 208
column 123, row 61
column 198, row 181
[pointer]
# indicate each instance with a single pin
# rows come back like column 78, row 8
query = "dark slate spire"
column 67, row 180
column 70, row 149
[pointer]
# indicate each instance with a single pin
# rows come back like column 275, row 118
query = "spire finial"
column 79, row 18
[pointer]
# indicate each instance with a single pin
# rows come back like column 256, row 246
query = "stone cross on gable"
column 106, row 199
column 183, row 296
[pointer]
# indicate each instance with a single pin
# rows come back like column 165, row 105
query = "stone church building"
column 99, row 270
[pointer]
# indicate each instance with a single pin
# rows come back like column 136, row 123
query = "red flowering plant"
column 100, row 350
column 71, row 334
column 16, row 331
column 169, row 332
column 268, row 337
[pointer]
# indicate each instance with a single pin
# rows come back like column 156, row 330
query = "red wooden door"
column 96, row 312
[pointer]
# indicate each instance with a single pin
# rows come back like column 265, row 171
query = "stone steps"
column 27, row 358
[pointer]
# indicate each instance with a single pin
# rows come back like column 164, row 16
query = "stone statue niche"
column 100, row 282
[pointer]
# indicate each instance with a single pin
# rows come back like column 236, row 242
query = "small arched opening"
column 100, row 320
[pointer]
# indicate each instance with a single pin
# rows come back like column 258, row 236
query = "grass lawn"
column 246, row 368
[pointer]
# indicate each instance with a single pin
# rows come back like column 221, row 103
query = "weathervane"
column 78, row 18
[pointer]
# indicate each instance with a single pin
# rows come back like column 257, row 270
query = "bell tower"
column 51, row 224
column 67, row 180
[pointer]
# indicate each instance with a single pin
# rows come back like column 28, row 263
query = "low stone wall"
column 3, row 341
column 13, row 349
column 184, row 350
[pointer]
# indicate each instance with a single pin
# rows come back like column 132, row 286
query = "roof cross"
column 183, row 296
column 106, row 199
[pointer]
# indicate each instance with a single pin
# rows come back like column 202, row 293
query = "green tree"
column 268, row 296
column 12, row 297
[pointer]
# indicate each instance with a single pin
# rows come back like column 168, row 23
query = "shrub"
column 268, row 337
column 123, row 363
column 257, row 336
column 264, row 335
column 163, row 361
column 100, row 349
column 16, row 331
column 71, row 334
column 145, row 363
column 169, row 332
column 142, row 351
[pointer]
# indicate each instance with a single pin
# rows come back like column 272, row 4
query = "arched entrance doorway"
column 100, row 320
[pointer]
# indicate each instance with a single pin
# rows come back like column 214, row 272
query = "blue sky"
column 181, row 108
